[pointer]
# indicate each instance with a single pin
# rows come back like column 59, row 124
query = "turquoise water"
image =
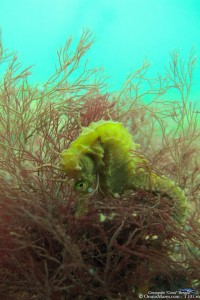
column 126, row 32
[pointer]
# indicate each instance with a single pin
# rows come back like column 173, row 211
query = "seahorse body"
column 106, row 149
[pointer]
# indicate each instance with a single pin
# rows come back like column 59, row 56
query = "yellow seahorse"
column 106, row 150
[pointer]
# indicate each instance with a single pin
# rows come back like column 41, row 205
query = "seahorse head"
column 79, row 167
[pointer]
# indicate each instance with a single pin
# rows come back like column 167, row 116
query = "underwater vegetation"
column 75, row 220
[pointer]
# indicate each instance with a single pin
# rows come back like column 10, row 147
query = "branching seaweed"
column 122, row 247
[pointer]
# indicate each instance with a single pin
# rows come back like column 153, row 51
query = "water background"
column 126, row 32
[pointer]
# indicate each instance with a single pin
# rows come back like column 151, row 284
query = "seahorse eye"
column 80, row 185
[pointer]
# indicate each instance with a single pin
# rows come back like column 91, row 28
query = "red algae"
column 121, row 248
